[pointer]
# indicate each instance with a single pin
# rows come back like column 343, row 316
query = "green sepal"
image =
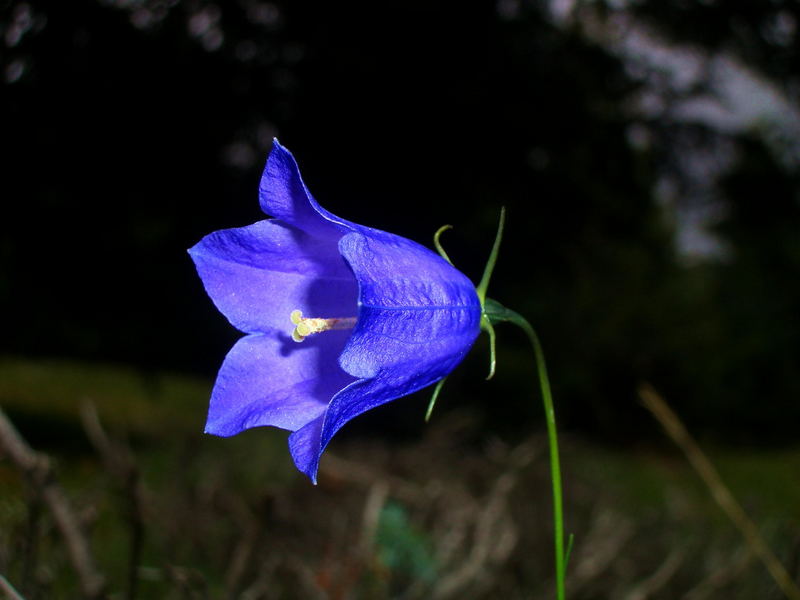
column 435, row 395
column 488, row 327
column 495, row 313
column 489, row 269
column 438, row 245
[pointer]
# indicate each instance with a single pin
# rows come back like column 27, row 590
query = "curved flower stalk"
column 378, row 317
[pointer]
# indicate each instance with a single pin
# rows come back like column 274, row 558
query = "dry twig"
column 37, row 468
column 119, row 462
column 711, row 585
column 719, row 491
column 659, row 579
column 8, row 590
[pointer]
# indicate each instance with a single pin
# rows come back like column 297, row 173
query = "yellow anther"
column 304, row 327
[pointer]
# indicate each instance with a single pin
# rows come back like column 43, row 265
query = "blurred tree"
column 757, row 367
column 135, row 128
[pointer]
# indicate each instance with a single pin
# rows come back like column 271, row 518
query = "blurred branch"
column 336, row 467
column 120, row 463
column 251, row 526
column 654, row 583
column 376, row 500
column 37, row 468
column 719, row 491
column 488, row 533
column 494, row 533
column 602, row 546
column 711, row 585
column 8, row 589
column 31, row 542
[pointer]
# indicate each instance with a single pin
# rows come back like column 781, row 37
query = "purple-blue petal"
column 418, row 317
column 305, row 448
column 257, row 275
column 268, row 379
column 283, row 194
column 413, row 305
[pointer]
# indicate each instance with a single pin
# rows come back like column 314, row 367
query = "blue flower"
column 378, row 317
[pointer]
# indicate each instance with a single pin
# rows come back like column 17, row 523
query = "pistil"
column 306, row 326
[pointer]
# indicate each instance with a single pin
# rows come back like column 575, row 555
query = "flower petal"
column 305, row 449
column 413, row 306
column 257, row 275
column 418, row 317
column 271, row 380
column 284, row 195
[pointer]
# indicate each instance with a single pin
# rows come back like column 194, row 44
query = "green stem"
column 498, row 313
column 555, row 463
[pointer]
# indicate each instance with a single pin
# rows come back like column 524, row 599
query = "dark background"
column 132, row 129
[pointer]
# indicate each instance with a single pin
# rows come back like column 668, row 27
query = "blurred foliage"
column 762, row 33
column 441, row 516
column 403, row 549
column 143, row 403
column 134, row 128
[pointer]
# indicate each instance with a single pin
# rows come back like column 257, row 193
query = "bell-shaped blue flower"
column 378, row 317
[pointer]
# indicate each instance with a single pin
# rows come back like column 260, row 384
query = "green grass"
column 139, row 402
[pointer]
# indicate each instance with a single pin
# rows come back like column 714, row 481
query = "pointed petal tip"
column 195, row 252
column 217, row 429
column 280, row 151
column 284, row 196
column 306, row 450
column 201, row 248
column 310, row 470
